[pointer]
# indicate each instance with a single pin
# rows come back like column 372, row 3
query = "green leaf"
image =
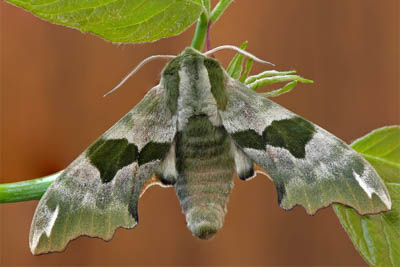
column 255, row 82
column 235, row 66
column 249, row 64
column 287, row 88
column 268, row 73
column 122, row 21
column 377, row 237
column 207, row 6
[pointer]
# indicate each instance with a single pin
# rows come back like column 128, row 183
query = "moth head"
column 195, row 74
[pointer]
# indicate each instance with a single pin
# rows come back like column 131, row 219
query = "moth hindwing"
column 193, row 131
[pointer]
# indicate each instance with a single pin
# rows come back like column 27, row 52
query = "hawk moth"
column 193, row 131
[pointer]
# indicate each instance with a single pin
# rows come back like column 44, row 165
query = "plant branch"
column 219, row 10
column 205, row 21
column 26, row 190
column 200, row 33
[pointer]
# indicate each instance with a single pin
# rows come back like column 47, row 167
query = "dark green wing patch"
column 153, row 151
column 108, row 156
column 291, row 134
column 216, row 77
column 171, row 81
column 249, row 139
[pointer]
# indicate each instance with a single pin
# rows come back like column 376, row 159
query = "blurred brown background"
column 53, row 79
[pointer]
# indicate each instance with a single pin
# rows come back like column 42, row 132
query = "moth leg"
column 260, row 170
column 154, row 180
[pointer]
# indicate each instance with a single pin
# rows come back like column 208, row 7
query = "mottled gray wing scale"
column 309, row 166
column 93, row 198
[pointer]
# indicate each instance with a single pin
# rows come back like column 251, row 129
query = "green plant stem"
column 219, row 10
column 200, row 33
column 205, row 19
column 26, row 190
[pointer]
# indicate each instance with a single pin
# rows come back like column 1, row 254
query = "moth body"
column 193, row 131
column 204, row 160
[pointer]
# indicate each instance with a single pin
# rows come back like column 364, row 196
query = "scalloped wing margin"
column 308, row 165
column 99, row 191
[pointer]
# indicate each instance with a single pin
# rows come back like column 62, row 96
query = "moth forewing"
column 99, row 191
column 309, row 166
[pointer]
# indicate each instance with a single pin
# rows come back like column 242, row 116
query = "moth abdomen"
column 205, row 168
column 203, row 197
column 205, row 221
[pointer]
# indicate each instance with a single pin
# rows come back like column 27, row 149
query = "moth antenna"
column 136, row 69
column 241, row 51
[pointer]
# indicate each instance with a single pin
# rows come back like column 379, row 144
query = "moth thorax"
column 205, row 175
